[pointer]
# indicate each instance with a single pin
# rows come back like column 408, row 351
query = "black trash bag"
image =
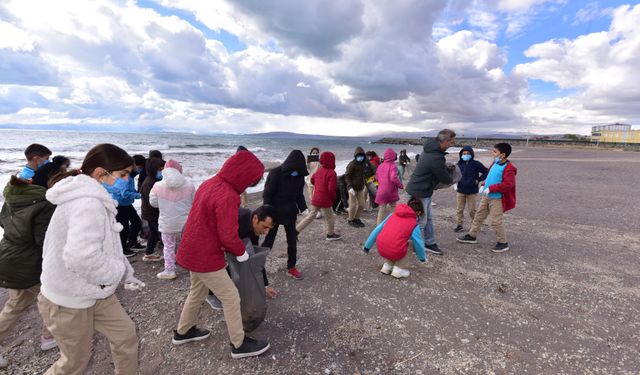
column 248, row 279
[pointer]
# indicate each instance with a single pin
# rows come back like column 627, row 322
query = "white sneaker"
column 319, row 215
column 47, row 343
column 214, row 302
column 3, row 362
column 399, row 273
column 166, row 275
column 386, row 268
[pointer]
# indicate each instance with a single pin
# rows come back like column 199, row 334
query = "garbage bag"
column 248, row 279
column 456, row 174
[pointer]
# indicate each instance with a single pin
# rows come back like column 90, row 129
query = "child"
column 173, row 196
column 392, row 237
column 324, row 193
column 403, row 164
column 388, row 184
column 472, row 173
column 149, row 213
column 498, row 197
column 37, row 155
column 355, row 181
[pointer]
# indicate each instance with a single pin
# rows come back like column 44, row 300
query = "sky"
column 334, row 67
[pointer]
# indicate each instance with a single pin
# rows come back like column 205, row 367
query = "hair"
column 314, row 149
column 265, row 211
column 139, row 160
column 155, row 154
column 36, row 149
column 416, row 205
column 445, row 135
column 107, row 156
column 504, row 148
column 60, row 160
column 47, row 171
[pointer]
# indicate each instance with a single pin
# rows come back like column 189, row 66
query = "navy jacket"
column 472, row 173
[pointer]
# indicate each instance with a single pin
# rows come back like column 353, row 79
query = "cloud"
column 590, row 13
column 26, row 68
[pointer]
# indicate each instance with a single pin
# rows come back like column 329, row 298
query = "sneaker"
column 399, row 273
column 293, row 272
column 3, row 362
column 500, row 247
column 434, row 249
column 214, row 302
column 249, row 348
column 353, row 223
column 467, row 238
column 151, row 258
column 138, row 247
column 47, row 343
column 166, row 275
column 386, row 268
column 193, row 334
column 334, row 237
column 319, row 215
column 359, row 223
column 458, row 229
column 128, row 253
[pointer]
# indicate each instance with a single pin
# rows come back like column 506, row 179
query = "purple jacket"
column 388, row 181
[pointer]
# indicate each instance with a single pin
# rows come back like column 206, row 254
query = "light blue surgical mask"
column 159, row 175
column 27, row 173
column 359, row 159
column 46, row 161
column 466, row 157
column 121, row 184
column 294, row 174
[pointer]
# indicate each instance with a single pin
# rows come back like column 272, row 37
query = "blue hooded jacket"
column 472, row 173
column 128, row 196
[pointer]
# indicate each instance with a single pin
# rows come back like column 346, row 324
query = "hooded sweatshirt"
column 388, row 181
column 212, row 224
column 430, row 170
column 472, row 173
column 148, row 211
column 284, row 191
column 391, row 236
column 82, row 253
column 24, row 217
column 325, row 181
column 354, row 175
column 173, row 196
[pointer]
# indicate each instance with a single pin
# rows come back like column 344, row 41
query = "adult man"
column 430, row 170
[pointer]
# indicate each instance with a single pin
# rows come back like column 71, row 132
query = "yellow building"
column 615, row 133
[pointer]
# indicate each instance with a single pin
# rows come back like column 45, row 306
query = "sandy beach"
column 564, row 300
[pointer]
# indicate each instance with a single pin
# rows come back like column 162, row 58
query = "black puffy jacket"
column 284, row 191
column 430, row 170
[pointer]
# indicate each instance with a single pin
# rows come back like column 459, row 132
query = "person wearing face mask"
column 37, row 155
column 472, row 172
column 83, row 265
column 284, row 189
column 58, row 164
column 313, row 164
column 355, row 180
column 151, row 214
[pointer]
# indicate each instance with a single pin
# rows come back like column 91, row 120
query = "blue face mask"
column 27, row 173
column 359, row 159
column 294, row 174
column 466, row 157
column 43, row 163
column 159, row 175
column 121, row 184
column 498, row 159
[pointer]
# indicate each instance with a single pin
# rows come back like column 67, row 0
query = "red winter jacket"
column 507, row 187
column 395, row 235
column 325, row 182
column 212, row 225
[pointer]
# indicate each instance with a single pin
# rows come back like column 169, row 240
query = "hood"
column 359, row 151
column 80, row 186
column 328, row 160
column 432, row 145
column 404, row 210
column 295, row 162
column 173, row 164
column 172, row 178
column 389, row 155
column 241, row 170
column 17, row 196
column 469, row 149
column 152, row 167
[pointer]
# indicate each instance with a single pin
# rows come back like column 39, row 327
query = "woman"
column 83, row 264
column 403, row 164
column 149, row 213
column 388, row 185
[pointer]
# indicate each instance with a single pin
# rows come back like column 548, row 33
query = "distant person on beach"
column 403, row 164
column 373, row 157
column 153, row 154
column 24, row 217
column 430, row 170
column 212, row 229
column 388, row 185
column 498, row 196
column 392, row 239
column 284, row 189
column 58, row 164
column 324, row 194
column 173, row 196
column 313, row 164
column 473, row 172
column 244, row 197
column 151, row 214
column 370, row 179
column 37, row 155
column 83, row 264
column 356, row 186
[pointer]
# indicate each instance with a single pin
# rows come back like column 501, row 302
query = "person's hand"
column 243, row 258
column 484, row 191
column 271, row 292
column 133, row 283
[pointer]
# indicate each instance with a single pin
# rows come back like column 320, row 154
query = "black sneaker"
column 434, row 249
column 193, row 334
column 458, row 229
column 333, row 237
column 249, row 348
column 359, row 223
column 137, row 247
column 500, row 247
column 353, row 223
column 128, row 253
column 467, row 238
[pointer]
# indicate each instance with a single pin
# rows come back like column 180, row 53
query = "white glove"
column 243, row 258
column 305, row 212
column 352, row 192
column 133, row 284
column 484, row 191
column 455, row 187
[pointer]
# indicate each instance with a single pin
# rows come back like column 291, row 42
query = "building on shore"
column 615, row 133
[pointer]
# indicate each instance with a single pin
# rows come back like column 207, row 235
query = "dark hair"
column 47, row 171
column 314, row 149
column 504, row 148
column 59, row 160
column 105, row 155
column 139, row 160
column 265, row 211
column 36, row 149
column 155, row 154
column 416, row 205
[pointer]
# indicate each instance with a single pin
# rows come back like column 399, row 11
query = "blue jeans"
column 426, row 223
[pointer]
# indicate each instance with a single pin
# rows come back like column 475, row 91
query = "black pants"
column 292, row 250
column 154, row 237
column 131, row 224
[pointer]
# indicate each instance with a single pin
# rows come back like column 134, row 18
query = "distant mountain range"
column 376, row 136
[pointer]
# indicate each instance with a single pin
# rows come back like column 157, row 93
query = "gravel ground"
column 564, row 300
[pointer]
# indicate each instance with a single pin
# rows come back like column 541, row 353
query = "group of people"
column 68, row 234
